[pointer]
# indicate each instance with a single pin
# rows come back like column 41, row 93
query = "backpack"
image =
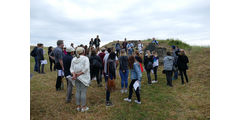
column 149, row 65
column 111, row 66
column 96, row 63
column 33, row 52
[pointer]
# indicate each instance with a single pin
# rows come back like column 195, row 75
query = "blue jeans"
column 36, row 64
column 175, row 75
column 124, row 78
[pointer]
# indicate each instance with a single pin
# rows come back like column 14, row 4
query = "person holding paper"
column 40, row 57
column 67, row 59
column 136, row 75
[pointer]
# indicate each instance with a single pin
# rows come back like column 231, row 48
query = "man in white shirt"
column 140, row 46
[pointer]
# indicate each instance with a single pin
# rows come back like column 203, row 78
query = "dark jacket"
column 139, row 59
column 91, row 61
column 97, row 41
column 123, row 60
column 67, row 60
column 124, row 44
column 182, row 62
column 147, row 60
column 40, row 54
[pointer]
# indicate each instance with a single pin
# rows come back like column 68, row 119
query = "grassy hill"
column 159, row 102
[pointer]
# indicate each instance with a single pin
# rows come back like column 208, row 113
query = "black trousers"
column 100, row 74
column 169, row 77
column 149, row 76
column 59, row 78
column 185, row 74
column 95, row 73
column 155, row 72
column 131, row 90
column 118, row 52
column 52, row 63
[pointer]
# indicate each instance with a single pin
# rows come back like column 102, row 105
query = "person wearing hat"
column 67, row 59
column 80, row 69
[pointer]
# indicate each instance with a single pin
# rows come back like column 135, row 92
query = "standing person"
column 81, row 73
column 182, row 65
column 97, row 41
column 155, row 65
column 148, row 65
column 91, row 43
column 175, row 68
column 58, row 57
column 136, row 75
column 67, row 59
column 138, row 57
column 40, row 57
column 50, row 51
column 101, row 55
column 34, row 54
column 118, row 48
column 168, row 68
column 140, row 46
column 130, row 48
column 123, row 70
column 95, row 66
column 86, row 53
column 154, row 41
column 72, row 45
column 124, row 44
column 64, row 51
column 111, row 73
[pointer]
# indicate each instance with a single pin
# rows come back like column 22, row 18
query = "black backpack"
column 96, row 63
column 149, row 65
column 111, row 66
column 34, row 52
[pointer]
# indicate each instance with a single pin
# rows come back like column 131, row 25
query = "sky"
column 77, row 21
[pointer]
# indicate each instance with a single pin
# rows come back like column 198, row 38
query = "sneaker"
column 126, row 99
column 78, row 109
column 85, row 109
column 109, row 104
column 136, row 101
column 122, row 91
column 126, row 91
column 154, row 81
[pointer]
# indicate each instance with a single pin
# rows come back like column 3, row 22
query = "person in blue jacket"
column 136, row 75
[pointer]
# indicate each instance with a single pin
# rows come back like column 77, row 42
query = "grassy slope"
column 182, row 102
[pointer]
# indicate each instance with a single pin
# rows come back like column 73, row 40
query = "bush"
column 178, row 43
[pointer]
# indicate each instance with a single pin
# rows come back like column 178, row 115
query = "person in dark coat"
column 148, row 65
column 67, row 60
column 40, row 57
column 182, row 65
column 97, row 42
column 95, row 66
column 52, row 63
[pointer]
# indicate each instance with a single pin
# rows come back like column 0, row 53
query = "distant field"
column 159, row 102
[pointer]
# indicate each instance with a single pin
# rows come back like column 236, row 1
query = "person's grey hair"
column 59, row 42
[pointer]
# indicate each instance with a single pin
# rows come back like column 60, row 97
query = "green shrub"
column 178, row 43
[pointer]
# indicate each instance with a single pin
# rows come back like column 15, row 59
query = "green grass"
column 159, row 102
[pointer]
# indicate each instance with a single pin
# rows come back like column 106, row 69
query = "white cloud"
column 79, row 20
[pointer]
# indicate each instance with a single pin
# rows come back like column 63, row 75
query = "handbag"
column 111, row 86
column 141, row 67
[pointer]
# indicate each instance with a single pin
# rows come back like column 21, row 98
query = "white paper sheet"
column 136, row 85
column 60, row 73
column 44, row 62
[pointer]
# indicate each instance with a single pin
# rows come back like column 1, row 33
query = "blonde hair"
column 123, row 53
column 80, row 50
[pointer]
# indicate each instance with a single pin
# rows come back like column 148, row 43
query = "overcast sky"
column 79, row 20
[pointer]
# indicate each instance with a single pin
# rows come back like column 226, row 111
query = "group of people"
column 80, row 65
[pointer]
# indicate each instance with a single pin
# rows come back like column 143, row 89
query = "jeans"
column 108, row 91
column 131, row 90
column 185, row 74
column 94, row 73
column 36, row 64
column 69, row 90
column 52, row 63
column 81, row 93
column 100, row 74
column 149, row 76
column 124, row 78
column 175, row 75
column 169, row 77
column 40, row 66
column 155, row 72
